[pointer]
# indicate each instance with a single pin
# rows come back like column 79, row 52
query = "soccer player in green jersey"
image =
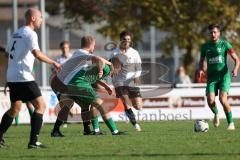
column 219, row 79
column 77, row 76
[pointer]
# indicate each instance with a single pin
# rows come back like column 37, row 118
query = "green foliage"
column 185, row 20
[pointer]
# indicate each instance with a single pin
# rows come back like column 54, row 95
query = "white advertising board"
column 181, row 103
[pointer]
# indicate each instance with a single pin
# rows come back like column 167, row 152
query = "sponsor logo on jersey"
column 215, row 60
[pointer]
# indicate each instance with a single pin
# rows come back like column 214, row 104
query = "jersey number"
column 13, row 49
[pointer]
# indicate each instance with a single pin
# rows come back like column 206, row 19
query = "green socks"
column 17, row 120
column 95, row 124
column 229, row 117
column 228, row 114
column 111, row 124
column 215, row 110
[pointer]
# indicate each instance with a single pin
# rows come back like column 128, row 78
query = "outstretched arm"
column 42, row 57
column 100, row 63
column 200, row 70
column 236, row 65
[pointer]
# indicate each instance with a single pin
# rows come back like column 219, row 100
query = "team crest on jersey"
column 219, row 49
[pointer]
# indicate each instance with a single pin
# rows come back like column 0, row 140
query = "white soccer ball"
column 201, row 126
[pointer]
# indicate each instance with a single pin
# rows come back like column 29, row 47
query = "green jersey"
column 216, row 55
column 80, row 87
column 89, row 74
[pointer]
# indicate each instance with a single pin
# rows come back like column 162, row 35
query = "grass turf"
column 158, row 140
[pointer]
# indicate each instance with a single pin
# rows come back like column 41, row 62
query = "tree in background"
column 185, row 21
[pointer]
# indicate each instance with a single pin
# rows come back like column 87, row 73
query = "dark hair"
column 63, row 43
column 86, row 41
column 125, row 33
column 212, row 26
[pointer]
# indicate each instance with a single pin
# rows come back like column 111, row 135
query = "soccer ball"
column 201, row 126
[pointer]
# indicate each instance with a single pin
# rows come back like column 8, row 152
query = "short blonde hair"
column 86, row 41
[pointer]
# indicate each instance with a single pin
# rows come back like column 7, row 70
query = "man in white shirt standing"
column 127, row 65
column 66, row 54
column 22, row 50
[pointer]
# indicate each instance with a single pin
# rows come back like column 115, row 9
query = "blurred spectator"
column 65, row 52
column 182, row 77
column 201, row 76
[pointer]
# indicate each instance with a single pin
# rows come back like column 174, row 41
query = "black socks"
column 5, row 124
column 57, row 124
column 131, row 116
column 36, row 124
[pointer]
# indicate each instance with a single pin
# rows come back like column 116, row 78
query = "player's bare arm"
column 42, row 57
column 236, row 64
column 100, row 63
column 97, row 58
column 201, row 71
column 137, row 80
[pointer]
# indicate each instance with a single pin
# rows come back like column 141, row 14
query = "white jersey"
column 80, row 59
column 131, row 67
column 61, row 59
column 20, row 58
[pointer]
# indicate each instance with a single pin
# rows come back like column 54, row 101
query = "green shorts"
column 218, row 83
column 82, row 93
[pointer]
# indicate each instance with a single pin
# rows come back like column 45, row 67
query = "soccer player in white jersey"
column 22, row 50
column 127, row 64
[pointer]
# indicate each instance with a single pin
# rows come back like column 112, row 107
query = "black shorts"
column 132, row 92
column 24, row 91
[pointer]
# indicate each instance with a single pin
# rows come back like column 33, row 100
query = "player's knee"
column 13, row 112
column 223, row 100
column 211, row 101
column 126, row 104
column 40, row 108
column 97, row 103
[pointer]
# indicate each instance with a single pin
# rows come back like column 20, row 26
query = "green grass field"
column 158, row 140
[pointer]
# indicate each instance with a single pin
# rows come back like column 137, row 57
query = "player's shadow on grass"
column 134, row 155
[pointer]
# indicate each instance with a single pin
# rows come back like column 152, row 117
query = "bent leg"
column 105, row 115
column 212, row 103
